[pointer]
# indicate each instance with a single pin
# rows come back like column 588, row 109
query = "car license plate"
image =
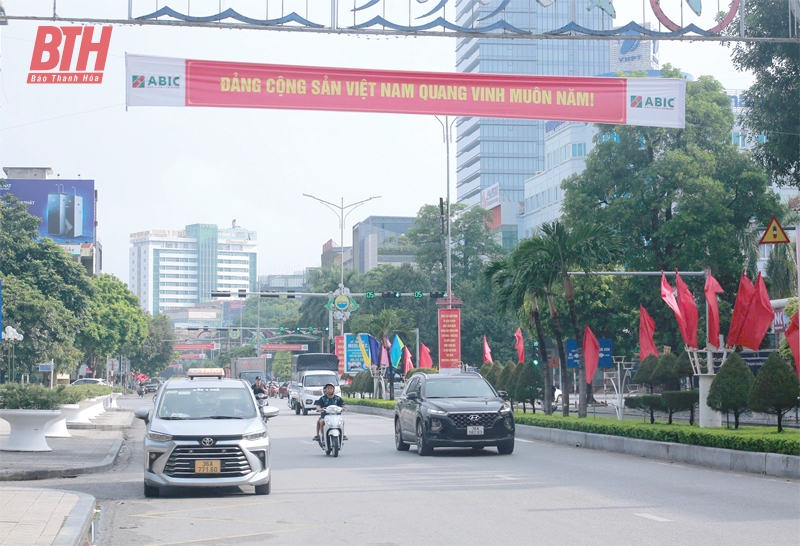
column 207, row 467
column 474, row 431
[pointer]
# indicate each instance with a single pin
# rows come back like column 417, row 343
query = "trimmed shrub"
column 412, row 371
column 644, row 372
column 745, row 439
column 649, row 402
column 486, row 369
column 731, row 387
column 775, row 388
column 28, row 397
column 674, row 401
column 505, row 378
column 530, row 385
column 493, row 377
column 371, row 402
column 666, row 373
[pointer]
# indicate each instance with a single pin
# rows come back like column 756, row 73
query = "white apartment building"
column 180, row 268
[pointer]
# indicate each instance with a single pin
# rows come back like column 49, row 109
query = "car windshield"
column 206, row 403
column 319, row 380
column 251, row 376
column 458, row 388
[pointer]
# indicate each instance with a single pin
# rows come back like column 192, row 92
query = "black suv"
column 459, row 410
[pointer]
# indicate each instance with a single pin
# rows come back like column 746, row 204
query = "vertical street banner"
column 606, row 351
column 339, row 348
column 353, row 356
column 162, row 81
column 449, row 339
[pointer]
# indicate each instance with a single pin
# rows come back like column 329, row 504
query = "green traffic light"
column 417, row 294
column 397, row 294
column 281, row 329
column 310, row 329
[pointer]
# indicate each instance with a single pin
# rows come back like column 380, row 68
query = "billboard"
column 449, row 339
column 353, row 357
column 66, row 207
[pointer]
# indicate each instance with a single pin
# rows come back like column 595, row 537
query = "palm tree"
column 519, row 281
column 577, row 247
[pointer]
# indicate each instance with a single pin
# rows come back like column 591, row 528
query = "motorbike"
column 332, row 431
column 141, row 391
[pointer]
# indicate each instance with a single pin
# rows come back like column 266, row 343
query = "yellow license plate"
column 207, row 467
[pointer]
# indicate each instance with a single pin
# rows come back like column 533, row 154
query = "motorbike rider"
column 327, row 399
column 259, row 387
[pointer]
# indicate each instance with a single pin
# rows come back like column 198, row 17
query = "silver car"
column 206, row 431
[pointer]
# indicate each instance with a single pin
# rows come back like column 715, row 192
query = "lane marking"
column 652, row 517
column 672, row 465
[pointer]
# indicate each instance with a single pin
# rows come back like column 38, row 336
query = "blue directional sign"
column 605, row 353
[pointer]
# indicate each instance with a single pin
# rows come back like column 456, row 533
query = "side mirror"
column 143, row 414
column 268, row 412
column 503, row 395
column 412, row 396
column 262, row 399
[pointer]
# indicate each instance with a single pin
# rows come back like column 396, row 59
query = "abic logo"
column 53, row 52
column 159, row 82
column 660, row 103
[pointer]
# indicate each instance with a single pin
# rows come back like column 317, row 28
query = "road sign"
column 774, row 235
column 46, row 367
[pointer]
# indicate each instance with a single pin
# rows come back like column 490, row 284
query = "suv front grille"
column 462, row 420
column 233, row 463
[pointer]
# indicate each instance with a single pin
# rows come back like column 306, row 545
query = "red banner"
column 194, row 347
column 284, row 347
column 158, row 81
column 449, row 338
column 339, row 348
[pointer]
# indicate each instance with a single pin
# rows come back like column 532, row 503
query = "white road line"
column 374, row 442
column 652, row 517
column 672, row 465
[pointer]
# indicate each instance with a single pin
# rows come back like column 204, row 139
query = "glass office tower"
column 509, row 151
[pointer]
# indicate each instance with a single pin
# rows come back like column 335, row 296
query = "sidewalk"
column 44, row 517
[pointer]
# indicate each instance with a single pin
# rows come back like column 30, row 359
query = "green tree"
column 772, row 106
column 775, row 389
column 504, row 382
column 274, row 312
column 666, row 372
column 116, row 321
column 493, row 375
column 676, row 198
column 158, row 349
column 385, row 324
column 568, row 248
column 223, row 359
column 781, row 271
column 47, row 325
column 282, row 365
column 486, row 369
column 326, row 279
column 644, row 376
column 731, row 387
column 513, row 381
column 530, row 385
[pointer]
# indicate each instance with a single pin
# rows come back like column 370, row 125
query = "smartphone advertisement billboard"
column 66, row 207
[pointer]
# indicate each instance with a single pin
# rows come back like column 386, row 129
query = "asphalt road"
column 372, row 494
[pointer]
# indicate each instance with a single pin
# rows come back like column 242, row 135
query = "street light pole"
column 447, row 128
column 339, row 211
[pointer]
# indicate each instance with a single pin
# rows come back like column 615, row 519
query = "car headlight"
column 159, row 436
column 506, row 409
column 434, row 411
column 255, row 435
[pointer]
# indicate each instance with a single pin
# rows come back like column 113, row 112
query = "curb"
column 771, row 464
column 77, row 528
column 45, row 474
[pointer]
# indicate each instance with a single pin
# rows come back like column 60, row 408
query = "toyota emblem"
column 474, row 418
column 207, row 442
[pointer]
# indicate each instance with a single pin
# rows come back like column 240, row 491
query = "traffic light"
column 281, row 329
column 297, row 329
column 436, row 295
column 387, row 294
column 310, row 329
column 397, row 294
column 326, row 329
column 536, row 344
column 370, row 295
column 535, row 361
column 417, row 293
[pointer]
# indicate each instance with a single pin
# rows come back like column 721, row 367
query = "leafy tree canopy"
column 775, row 388
column 731, row 387
column 158, row 349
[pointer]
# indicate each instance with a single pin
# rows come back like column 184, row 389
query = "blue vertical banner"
column 1, row 307
column 606, row 360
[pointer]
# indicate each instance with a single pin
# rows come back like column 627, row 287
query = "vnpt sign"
column 54, row 59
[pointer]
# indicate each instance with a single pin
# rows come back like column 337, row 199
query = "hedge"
column 371, row 402
column 28, row 396
column 757, row 439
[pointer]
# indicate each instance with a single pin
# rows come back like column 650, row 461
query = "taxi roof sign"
column 205, row 372
column 774, row 235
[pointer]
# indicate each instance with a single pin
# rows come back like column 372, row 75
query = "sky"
column 164, row 168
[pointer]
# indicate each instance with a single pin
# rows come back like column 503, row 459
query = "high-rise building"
column 376, row 242
column 180, row 268
column 509, row 151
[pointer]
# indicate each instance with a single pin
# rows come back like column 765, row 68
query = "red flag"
column 759, row 317
column 743, row 297
column 668, row 295
column 487, row 352
column 519, row 345
column 647, row 327
column 425, row 360
column 711, row 289
column 591, row 352
column 407, row 364
column 792, row 334
column 688, row 312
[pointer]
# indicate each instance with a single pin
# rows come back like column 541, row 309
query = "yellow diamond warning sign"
column 774, row 234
